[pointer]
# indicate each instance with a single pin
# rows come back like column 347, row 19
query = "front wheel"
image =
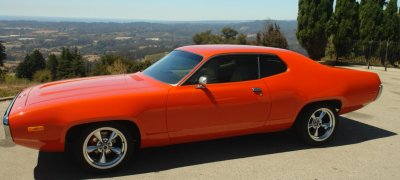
column 103, row 147
column 317, row 124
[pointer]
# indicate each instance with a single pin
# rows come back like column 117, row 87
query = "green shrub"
column 42, row 76
column 118, row 67
column 10, row 79
column 13, row 85
column 2, row 76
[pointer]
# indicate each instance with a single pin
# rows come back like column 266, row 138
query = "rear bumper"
column 379, row 92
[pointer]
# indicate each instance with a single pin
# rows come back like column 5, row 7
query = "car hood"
column 83, row 86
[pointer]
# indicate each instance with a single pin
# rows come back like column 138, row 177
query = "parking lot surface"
column 367, row 146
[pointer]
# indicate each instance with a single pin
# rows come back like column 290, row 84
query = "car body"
column 164, row 113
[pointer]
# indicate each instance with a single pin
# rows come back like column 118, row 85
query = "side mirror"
column 202, row 83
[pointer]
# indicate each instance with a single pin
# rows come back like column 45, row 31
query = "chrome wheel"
column 104, row 148
column 321, row 124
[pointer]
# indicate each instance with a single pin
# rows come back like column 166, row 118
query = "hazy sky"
column 154, row 9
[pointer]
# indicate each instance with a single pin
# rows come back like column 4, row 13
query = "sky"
column 171, row 10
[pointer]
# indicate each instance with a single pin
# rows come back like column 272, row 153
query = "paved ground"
column 367, row 147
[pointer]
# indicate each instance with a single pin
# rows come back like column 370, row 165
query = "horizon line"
column 118, row 20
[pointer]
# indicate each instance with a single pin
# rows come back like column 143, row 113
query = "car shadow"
column 60, row 166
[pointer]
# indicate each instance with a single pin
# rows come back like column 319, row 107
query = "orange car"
column 194, row 93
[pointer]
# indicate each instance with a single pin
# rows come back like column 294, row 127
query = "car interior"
column 236, row 68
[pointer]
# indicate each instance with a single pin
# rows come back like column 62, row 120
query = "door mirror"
column 202, row 83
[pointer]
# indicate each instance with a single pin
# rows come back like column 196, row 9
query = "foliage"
column 3, row 55
column 368, row 30
column 70, row 64
column 52, row 65
column 344, row 26
column 33, row 62
column 229, row 33
column 228, row 36
column 312, row 26
column 111, row 64
column 67, row 65
column 371, row 17
column 2, row 76
column 139, row 66
column 13, row 85
column 330, row 48
column 207, row 37
column 271, row 36
column 241, row 39
column 100, row 68
column 118, row 67
column 42, row 76
column 391, row 22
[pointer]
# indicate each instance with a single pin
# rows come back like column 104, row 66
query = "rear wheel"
column 103, row 147
column 317, row 124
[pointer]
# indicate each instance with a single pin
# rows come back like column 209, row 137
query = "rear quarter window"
column 271, row 65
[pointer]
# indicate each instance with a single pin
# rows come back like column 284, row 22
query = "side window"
column 271, row 65
column 229, row 68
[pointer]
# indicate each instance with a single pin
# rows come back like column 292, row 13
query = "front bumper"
column 7, row 131
column 6, row 123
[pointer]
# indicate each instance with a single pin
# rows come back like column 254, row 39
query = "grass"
column 11, row 85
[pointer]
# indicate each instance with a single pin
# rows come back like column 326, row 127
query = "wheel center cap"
column 316, row 123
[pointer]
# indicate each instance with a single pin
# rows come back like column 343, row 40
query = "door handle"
column 257, row 90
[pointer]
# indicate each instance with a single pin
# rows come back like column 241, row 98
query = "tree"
column 100, row 68
column 345, row 25
column 391, row 22
column 271, row 36
column 391, row 31
column 227, row 36
column 52, row 65
column 206, row 37
column 78, row 65
column 22, row 69
column 42, row 76
column 229, row 33
column 312, row 19
column 371, row 18
column 3, row 55
column 258, row 38
column 241, row 39
column 64, row 65
column 32, row 63
column 2, row 76
column 118, row 67
column 70, row 64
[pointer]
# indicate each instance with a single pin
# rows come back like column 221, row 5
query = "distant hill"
column 132, row 39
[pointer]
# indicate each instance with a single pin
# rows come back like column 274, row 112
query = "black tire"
column 88, row 159
column 322, row 128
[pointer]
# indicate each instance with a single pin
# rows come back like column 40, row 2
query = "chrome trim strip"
column 6, row 122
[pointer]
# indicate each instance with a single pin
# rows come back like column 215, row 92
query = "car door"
column 234, row 101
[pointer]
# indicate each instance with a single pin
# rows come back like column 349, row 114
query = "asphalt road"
column 367, row 146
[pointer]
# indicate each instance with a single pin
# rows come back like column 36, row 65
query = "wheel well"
column 73, row 132
column 337, row 104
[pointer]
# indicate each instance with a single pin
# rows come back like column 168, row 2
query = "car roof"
column 212, row 50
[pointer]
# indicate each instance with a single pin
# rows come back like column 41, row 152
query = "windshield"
column 173, row 67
